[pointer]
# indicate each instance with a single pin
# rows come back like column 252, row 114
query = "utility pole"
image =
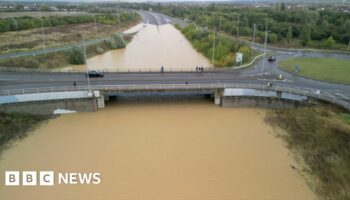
column 349, row 46
column 119, row 22
column 87, row 69
column 265, row 44
column 254, row 32
column 43, row 33
column 212, row 58
column 95, row 27
column 238, row 27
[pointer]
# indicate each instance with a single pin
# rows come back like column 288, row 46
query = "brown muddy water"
column 158, row 150
column 150, row 49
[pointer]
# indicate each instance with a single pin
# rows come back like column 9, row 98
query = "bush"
column 76, row 56
column 329, row 43
column 119, row 40
column 100, row 50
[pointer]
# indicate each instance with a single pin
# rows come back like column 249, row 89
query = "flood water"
column 150, row 49
column 192, row 150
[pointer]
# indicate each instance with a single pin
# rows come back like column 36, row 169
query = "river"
column 158, row 148
column 151, row 48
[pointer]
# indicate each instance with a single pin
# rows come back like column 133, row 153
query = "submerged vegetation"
column 16, row 126
column 225, row 47
column 321, row 137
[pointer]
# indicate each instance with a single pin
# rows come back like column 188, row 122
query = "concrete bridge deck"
column 218, row 90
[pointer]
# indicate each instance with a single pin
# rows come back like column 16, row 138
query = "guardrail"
column 124, row 88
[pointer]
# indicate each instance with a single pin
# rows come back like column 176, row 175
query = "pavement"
column 258, row 74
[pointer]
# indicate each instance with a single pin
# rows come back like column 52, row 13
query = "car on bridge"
column 93, row 74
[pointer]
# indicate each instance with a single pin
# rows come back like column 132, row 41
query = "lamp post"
column 213, row 55
column 265, row 44
column 95, row 27
column 43, row 32
column 237, row 28
column 87, row 69
column 254, row 32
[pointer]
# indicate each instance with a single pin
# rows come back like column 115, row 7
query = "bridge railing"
column 313, row 93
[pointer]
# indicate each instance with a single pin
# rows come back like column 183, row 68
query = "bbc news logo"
column 47, row 178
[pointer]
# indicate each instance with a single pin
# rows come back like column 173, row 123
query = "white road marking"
column 345, row 97
column 329, row 94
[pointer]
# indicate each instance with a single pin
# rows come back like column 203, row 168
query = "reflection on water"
column 151, row 48
column 171, row 150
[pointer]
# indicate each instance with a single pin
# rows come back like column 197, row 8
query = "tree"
column 289, row 34
column 19, row 7
column 283, row 6
column 305, row 35
column 246, row 53
column 272, row 38
column 329, row 43
column 76, row 56
column 13, row 24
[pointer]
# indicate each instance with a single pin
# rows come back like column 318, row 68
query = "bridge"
column 85, row 98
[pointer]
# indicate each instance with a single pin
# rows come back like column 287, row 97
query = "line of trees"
column 305, row 25
column 225, row 47
column 26, row 22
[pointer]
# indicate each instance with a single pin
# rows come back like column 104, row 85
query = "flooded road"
column 192, row 150
column 151, row 48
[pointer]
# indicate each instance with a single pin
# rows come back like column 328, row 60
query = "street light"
column 238, row 27
column 42, row 32
column 95, row 27
column 265, row 44
column 254, row 31
column 212, row 58
column 87, row 69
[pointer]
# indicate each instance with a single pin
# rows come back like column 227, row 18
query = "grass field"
column 42, row 13
column 320, row 139
column 57, row 36
column 324, row 69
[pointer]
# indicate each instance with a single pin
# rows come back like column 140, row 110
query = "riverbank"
column 160, row 150
column 226, row 48
column 319, row 138
column 57, row 60
column 14, row 127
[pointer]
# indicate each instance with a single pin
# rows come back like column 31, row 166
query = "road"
column 16, row 80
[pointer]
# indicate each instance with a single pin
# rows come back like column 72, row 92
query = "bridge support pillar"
column 100, row 102
column 99, row 99
column 217, row 98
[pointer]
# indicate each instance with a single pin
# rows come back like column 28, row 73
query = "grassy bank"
column 56, row 60
column 324, row 69
column 32, row 39
column 321, row 138
column 225, row 46
column 16, row 126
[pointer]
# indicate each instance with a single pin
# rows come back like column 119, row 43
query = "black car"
column 94, row 74
column 272, row 58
